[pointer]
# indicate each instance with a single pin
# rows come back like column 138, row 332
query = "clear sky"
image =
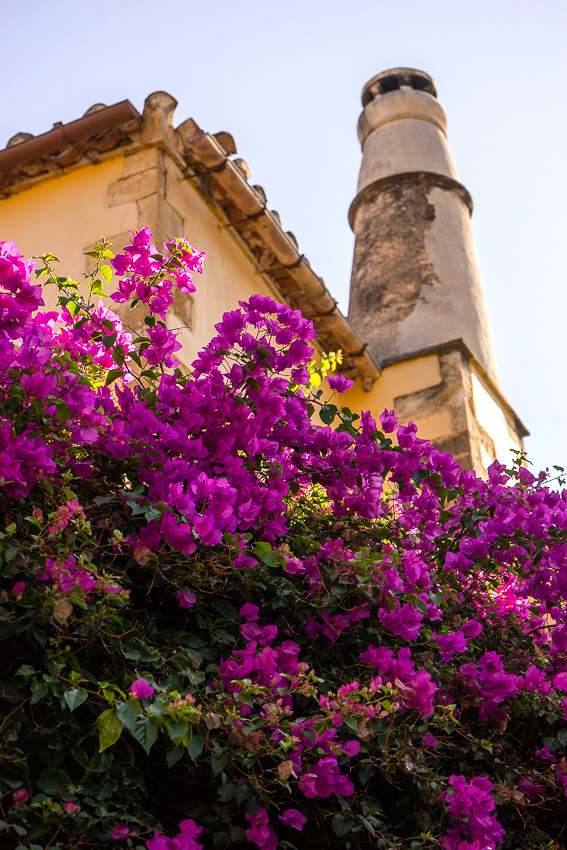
column 285, row 79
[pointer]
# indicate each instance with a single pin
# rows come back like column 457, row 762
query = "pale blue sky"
column 285, row 80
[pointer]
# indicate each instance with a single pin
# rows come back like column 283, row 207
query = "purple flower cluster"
column 324, row 779
column 184, row 840
column 470, row 803
column 220, row 458
column 415, row 687
column 141, row 265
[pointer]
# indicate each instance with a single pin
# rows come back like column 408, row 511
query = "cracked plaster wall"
column 415, row 279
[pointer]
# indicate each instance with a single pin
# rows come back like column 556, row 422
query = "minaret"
column 416, row 290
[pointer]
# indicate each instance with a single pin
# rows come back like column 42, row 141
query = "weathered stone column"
column 415, row 279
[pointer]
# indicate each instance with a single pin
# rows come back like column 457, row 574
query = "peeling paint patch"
column 391, row 268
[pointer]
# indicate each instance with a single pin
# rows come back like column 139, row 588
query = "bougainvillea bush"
column 235, row 614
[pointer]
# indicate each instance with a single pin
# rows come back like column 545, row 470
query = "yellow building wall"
column 66, row 215
column 69, row 213
column 492, row 418
column 229, row 274
column 402, row 379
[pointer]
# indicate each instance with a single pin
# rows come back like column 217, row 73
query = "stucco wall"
column 68, row 214
column 451, row 405
column 229, row 276
column 403, row 380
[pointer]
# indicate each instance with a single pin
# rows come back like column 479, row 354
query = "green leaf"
column 365, row 772
column 113, row 375
column 177, row 729
column 39, row 690
column 109, row 728
column 106, row 272
column 341, row 825
column 103, row 500
column 10, row 552
column 109, row 341
column 97, row 287
column 53, row 782
column 218, row 763
column 149, row 373
column 144, row 729
column 129, row 712
column 224, row 607
column 173, row 755
column 195, row 656
column 146, row 732
column 562, row 736
column 327, row 413
column 75, row 697
column 352, row 723
column 195, row 747
column 25, row 671
column 63, row 411
column 118, row 355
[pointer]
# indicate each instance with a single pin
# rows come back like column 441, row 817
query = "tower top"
column 416, row 283
column 396, row 78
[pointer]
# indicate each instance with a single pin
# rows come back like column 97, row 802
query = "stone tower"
column 416, row 288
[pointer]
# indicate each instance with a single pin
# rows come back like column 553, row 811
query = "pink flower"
column 351, row 748
column 472, row 629
column 544, row 754
column 294, row 818
column 20, row 796
column 450, row 643
column 189, row 828
column 249, row 611
column 260, row 832
column 70, row 808
column 19, row 588
column 470, row 803
column 429, row 740
column 39, row 384
column 339, row 383
column 186, row 598
column 324, row 779
column 294, row 566
column 389, row 421
column 141, row 689
column 300, row 375
column 120, row 830
column 159, row 842
column 308, row 784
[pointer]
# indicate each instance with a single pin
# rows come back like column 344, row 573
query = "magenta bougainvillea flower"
column 120, row 830
column 388, row 421
column 339, row 383
column 141, row 689
column 294, row 818
column 186, row 598
column 429, row 740
column 20, row 796
column 354, row 592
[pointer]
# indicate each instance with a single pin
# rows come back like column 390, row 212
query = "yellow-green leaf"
column 109, row 728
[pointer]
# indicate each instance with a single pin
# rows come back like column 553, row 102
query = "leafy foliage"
column 222, row 620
